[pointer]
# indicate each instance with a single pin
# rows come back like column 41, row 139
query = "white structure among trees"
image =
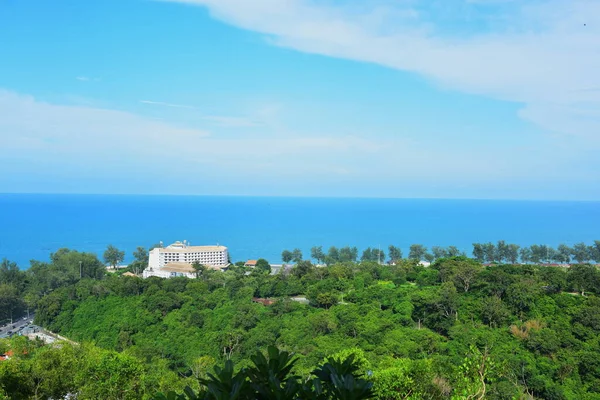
column 177, row 259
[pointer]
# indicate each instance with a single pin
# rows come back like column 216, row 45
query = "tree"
column 438, row 252
column 263, row 265
column 564, row 252
column 297, row 255
column 11, row 304
column 453, row 251
column 447, row 300
column 141, row 254
column 555, row 278
column 68, row 266
column 501, row 251
column 522, row 295
column 198, row 268
column 478, row 252
column 286, row 256
column 512, row 253
column 552, row 254
column 583, row 277
column 539, row 253
column 581, row 253
column 348, row 254
column 474, row 375
column 489, row 250
column 113, row 256
column 395, row 253
column 417, row 252
column 378, row 255
column 140, row 260
column 11, row 274
column 110, row 375
column 525, row 254
column 333, row 255
column 367, row 254
column 317, row 253
column 54, row 371
column 497, row 279
column 303, row 268
column 595, row 251
column 465, row 272
column 493, row 311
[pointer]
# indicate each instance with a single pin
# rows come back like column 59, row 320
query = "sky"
column 381, row 98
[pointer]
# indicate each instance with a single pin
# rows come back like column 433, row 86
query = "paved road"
column 16, row 326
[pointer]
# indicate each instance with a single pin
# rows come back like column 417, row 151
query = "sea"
column 32, row 226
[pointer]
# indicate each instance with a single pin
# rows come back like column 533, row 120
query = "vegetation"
column 271, row 378
column 456, row 329
column 113, row 256
column 490, row 253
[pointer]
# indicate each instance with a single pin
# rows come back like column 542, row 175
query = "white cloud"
column 83, row 133
column 79, row 148
column 538, row 53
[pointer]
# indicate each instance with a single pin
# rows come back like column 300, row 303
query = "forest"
column 481, row 327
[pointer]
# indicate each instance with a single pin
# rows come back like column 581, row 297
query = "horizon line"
column 299, row 196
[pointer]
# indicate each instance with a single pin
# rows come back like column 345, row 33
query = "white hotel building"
column 177, row 259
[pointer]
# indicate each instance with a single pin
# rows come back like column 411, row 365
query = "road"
column 16, row 326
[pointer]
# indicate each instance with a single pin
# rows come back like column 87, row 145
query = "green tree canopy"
column 286, row 256
column 113, row 256
column 263, row 265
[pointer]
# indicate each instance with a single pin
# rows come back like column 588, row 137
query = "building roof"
column 264, row 302
column 180, row 248
column 251, row 263
column 178, row 267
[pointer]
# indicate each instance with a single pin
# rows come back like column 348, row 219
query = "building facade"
column 177, row 259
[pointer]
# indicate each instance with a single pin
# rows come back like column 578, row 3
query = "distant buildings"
column 277, row 268
column 177, row 259
column 111, row 268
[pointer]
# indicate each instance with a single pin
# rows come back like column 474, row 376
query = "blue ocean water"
column 33, row 226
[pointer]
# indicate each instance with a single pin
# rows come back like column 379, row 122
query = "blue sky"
column 386, row 98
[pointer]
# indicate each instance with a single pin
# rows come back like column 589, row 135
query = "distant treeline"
column 500, row 252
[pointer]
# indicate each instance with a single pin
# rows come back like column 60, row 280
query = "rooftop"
column 179, row 247
column 178, row 267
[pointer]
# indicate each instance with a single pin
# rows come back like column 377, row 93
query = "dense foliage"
column 38, row 371
column 456, row 329
column 271, row 377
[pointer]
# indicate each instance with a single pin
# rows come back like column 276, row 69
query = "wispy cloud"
column 537, row 53
column 233, row 122
column 87, row 79
column 215, row 120
column 115, row 148
column 161, row 103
